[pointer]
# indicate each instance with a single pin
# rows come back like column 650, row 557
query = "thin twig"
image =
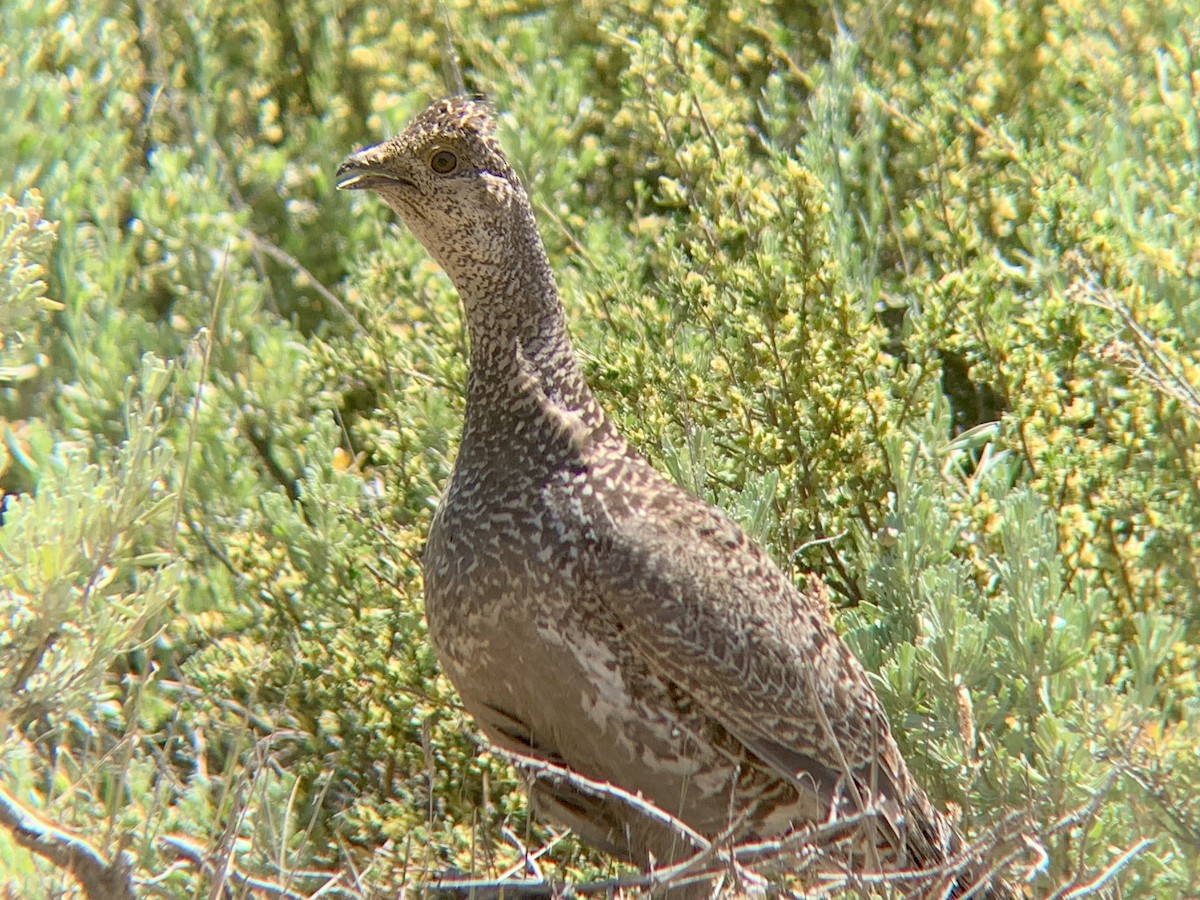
column 197, row 854
column 1094, row 886
column 544, row 769
column 210, row 339
column 282, row 256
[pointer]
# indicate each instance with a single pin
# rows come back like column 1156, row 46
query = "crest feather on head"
column 456, row 114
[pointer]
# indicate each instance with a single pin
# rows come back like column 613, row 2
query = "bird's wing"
column 709, row 610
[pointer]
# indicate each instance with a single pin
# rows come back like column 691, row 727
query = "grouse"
column 597, row 617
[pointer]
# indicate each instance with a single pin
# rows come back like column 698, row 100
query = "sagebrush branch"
column 805, row 850
column 99, row 878
column 201, row 856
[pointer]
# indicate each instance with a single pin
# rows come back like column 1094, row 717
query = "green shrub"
column 914, row 292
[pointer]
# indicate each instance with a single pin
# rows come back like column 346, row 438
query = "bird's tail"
column 933, row 843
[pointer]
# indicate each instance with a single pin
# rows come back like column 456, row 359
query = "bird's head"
column 447, row 178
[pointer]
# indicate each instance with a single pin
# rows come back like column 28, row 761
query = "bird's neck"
column 522, row 362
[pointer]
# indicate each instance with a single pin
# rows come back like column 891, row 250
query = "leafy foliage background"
column 911, row 288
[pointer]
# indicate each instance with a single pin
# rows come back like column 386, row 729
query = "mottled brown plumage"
column 590, row 612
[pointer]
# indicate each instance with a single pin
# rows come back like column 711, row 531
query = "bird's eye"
column 443, row 162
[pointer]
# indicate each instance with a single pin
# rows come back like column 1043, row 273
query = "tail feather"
column 932, row 842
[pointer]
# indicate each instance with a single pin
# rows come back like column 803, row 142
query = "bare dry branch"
column 100, row 879
column 1146, row 357
column 1094, row 886
column 199, row 855
column 1013, row 845
column 541, row 769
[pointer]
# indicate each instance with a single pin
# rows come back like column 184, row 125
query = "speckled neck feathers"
column 520, row 349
